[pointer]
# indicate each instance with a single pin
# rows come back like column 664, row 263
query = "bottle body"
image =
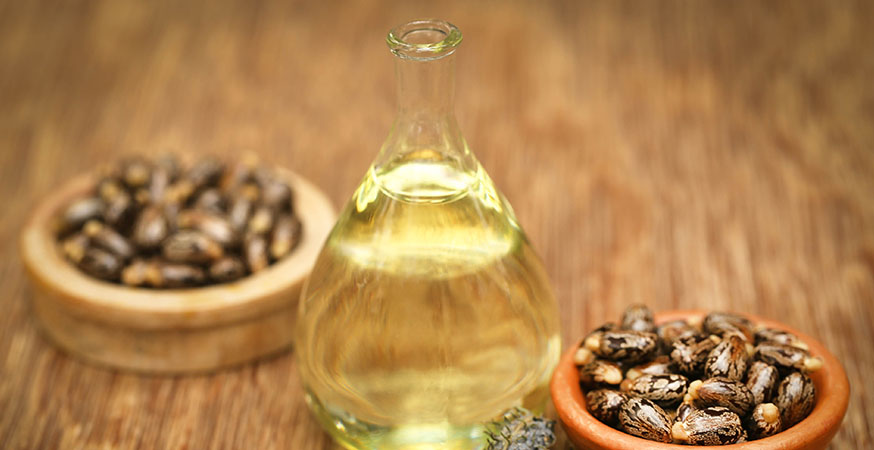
column 427, row 313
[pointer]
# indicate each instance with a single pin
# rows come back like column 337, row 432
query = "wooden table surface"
column 711, row 155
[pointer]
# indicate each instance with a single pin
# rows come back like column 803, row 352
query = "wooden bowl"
column 814, row 432
column 169, row 331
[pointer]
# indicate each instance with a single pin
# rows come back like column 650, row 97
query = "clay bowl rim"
column 144, row 308
column 817, row 428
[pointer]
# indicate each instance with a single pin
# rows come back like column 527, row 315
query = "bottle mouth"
column 424, row 40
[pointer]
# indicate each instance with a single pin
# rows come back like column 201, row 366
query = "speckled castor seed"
column 193, row 247
column 779, row 337
column 286, row 235
column 669, row 331
column 714, row 425
column 101, row 264
column 598, row 373
column 638, row 318
column 170, row 275
column 604, row 405
column 684, row 410
column 762, row 379
column 665, row 390
column 120, row 211
column 643, row 418
column 206, row 172
column 79, row 212
column 690, row 350
column 621, row 345
column 255, row 252
column 594, row 338
column 728, row 359
column 764, row 421
column 720, row 323
column 211, row 201
column 787, row 358
column 212, row 225
column 796, row 396
column 661, row 365
column 228, row 268
column 150, row 228
column 731, row 394
column 74, row 247
column 108, row 239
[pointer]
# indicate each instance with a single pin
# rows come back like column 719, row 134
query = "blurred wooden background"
column 687, row 154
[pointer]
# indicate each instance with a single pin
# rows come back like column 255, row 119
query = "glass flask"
column 427, row 313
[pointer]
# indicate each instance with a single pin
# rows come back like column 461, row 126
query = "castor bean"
column 684, row 410
column 728, row 359
column 643, row 418
column 79, row 212
column 135, row 173
column 720, row 323
column 286, row 235
column 226, row 269
column 211, row 201
column 242, row 203
column 276, row 196
column 205, row 172
column 164, row 173
column 714, row 425
column 719, row 391
column 774, row 335
column 108, row 239
column 623, row 345
column 179, row 192
column 150, row 228
column 212, row 225
column 255, row 252
column 136, row 273
column 101, row 264
column 189, row 246
column 787, row 358
column 762, row 380
column 638, row 318
column 669, row 331
column 764, row 421
column 174, row 275
column 604, row 405
column 110, row 187
column 120, row 211
column 796, row 396
column 74, row 247
column 261, row 221
column 661, row 365
column 690, row 351
column 239, row 172
column 599, row 373
column 665, row 390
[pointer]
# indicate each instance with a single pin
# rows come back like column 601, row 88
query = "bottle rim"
column 424, row 40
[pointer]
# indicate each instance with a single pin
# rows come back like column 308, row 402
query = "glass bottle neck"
column 425, row 126
column 426, row 89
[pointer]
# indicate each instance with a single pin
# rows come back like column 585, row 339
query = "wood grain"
column 699, row 154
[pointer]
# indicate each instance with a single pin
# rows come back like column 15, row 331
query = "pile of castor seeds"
column 161, row 225
column 712, row 381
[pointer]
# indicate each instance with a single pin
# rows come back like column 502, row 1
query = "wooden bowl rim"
column 819, row 427
column 145, row 308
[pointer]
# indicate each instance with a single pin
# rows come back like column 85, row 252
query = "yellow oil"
column 427, row 313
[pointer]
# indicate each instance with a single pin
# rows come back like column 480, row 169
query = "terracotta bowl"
column 814, row 432
column 169, row 331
